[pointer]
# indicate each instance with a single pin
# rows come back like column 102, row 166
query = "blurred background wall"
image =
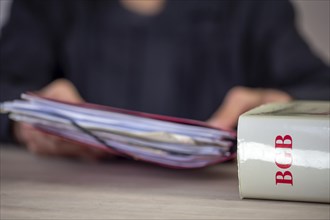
column 313, row 21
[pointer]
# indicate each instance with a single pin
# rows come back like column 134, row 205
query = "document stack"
column 163, row 140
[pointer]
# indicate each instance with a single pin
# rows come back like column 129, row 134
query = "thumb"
column 61, row 89
column 237, row 101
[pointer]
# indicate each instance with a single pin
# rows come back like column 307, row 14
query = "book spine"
column 284, row 158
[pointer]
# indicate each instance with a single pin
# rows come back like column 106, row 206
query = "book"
column 164, row 140
column 283, row 152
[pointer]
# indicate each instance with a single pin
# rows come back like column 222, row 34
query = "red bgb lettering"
column 283, row 159
column 284, row 178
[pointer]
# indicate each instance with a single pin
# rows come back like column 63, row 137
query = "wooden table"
column 52, row 188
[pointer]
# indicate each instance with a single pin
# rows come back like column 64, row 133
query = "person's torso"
column 180, row 62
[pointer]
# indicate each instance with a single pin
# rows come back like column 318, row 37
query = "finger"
column 238, row 100
column 273, row 95
column 92, row 154
column 40, row 143
column 22, row 132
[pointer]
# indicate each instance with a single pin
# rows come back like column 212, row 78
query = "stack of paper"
column 163, row 140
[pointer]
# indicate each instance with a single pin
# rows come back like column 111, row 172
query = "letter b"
column 285, row 178
column 285, row 142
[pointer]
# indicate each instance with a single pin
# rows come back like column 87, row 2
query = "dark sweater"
column 180, row 62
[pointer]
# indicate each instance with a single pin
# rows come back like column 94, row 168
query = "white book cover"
column 283, row 152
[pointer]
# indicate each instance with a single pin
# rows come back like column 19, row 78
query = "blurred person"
column 205, row 60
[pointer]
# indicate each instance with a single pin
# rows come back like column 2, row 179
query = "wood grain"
column 52, row 188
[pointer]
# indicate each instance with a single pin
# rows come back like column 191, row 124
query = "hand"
column 241, row 99
column 61, row 89
column 45, row 144
column 50, row 145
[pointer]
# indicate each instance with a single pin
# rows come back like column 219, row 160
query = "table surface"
column 35, row 187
